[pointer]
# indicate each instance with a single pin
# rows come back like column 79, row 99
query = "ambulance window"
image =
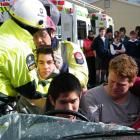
column 81, row 27
column 93, row 25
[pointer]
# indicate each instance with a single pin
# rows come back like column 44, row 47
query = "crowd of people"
column 101, row 49
column 40, row 73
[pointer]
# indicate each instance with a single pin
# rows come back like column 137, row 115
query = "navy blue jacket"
column 101, row 48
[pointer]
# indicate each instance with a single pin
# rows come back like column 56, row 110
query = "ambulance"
column 74, row 20
column 74, row 23
column 101, row 20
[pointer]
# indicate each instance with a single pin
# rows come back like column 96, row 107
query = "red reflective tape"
column 4, row 4
column 61, row 2
column 79, row 58
column 58, row 2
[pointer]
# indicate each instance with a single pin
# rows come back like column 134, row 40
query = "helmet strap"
column 49, row 31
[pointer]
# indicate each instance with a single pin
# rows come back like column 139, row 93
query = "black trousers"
column 92, row 70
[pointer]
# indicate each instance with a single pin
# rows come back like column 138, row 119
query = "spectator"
column 64, row 94
column 117, row 47
column 137, row 30
column 113, row 102
column 90, row 58
column 132, row 45
column 116, row 33
column 133, row 48
column 123, row 36
column 109, row 35
column 101, row 46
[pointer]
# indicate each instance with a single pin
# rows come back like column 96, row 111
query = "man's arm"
column 19, row 72
column 77, row 63
column 90, row 108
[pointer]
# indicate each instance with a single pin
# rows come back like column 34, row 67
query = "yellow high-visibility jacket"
column 75, row 59
column 17, row 64
column 43, row 86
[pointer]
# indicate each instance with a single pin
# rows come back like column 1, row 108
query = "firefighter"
column 44, row 37
column 17, row 64
column 68, row 56
column 74, row 58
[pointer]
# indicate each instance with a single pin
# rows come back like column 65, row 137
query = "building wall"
column 124, row 14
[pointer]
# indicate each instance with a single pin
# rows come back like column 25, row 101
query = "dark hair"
column 91, row 31
column 137, row 28
column 122, row 29
column 44, row 49
column 109, row 30
column 61, row 84
column 102, row 28
column 49, row 31
column 138, row 34
column 116, row 33
column 117, row 37
column 91, row 35
column 132, row 33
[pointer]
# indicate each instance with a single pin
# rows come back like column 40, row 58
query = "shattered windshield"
column 41, row 127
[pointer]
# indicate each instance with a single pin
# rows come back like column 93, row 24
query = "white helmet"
column 54, row 12
column 29, row 12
